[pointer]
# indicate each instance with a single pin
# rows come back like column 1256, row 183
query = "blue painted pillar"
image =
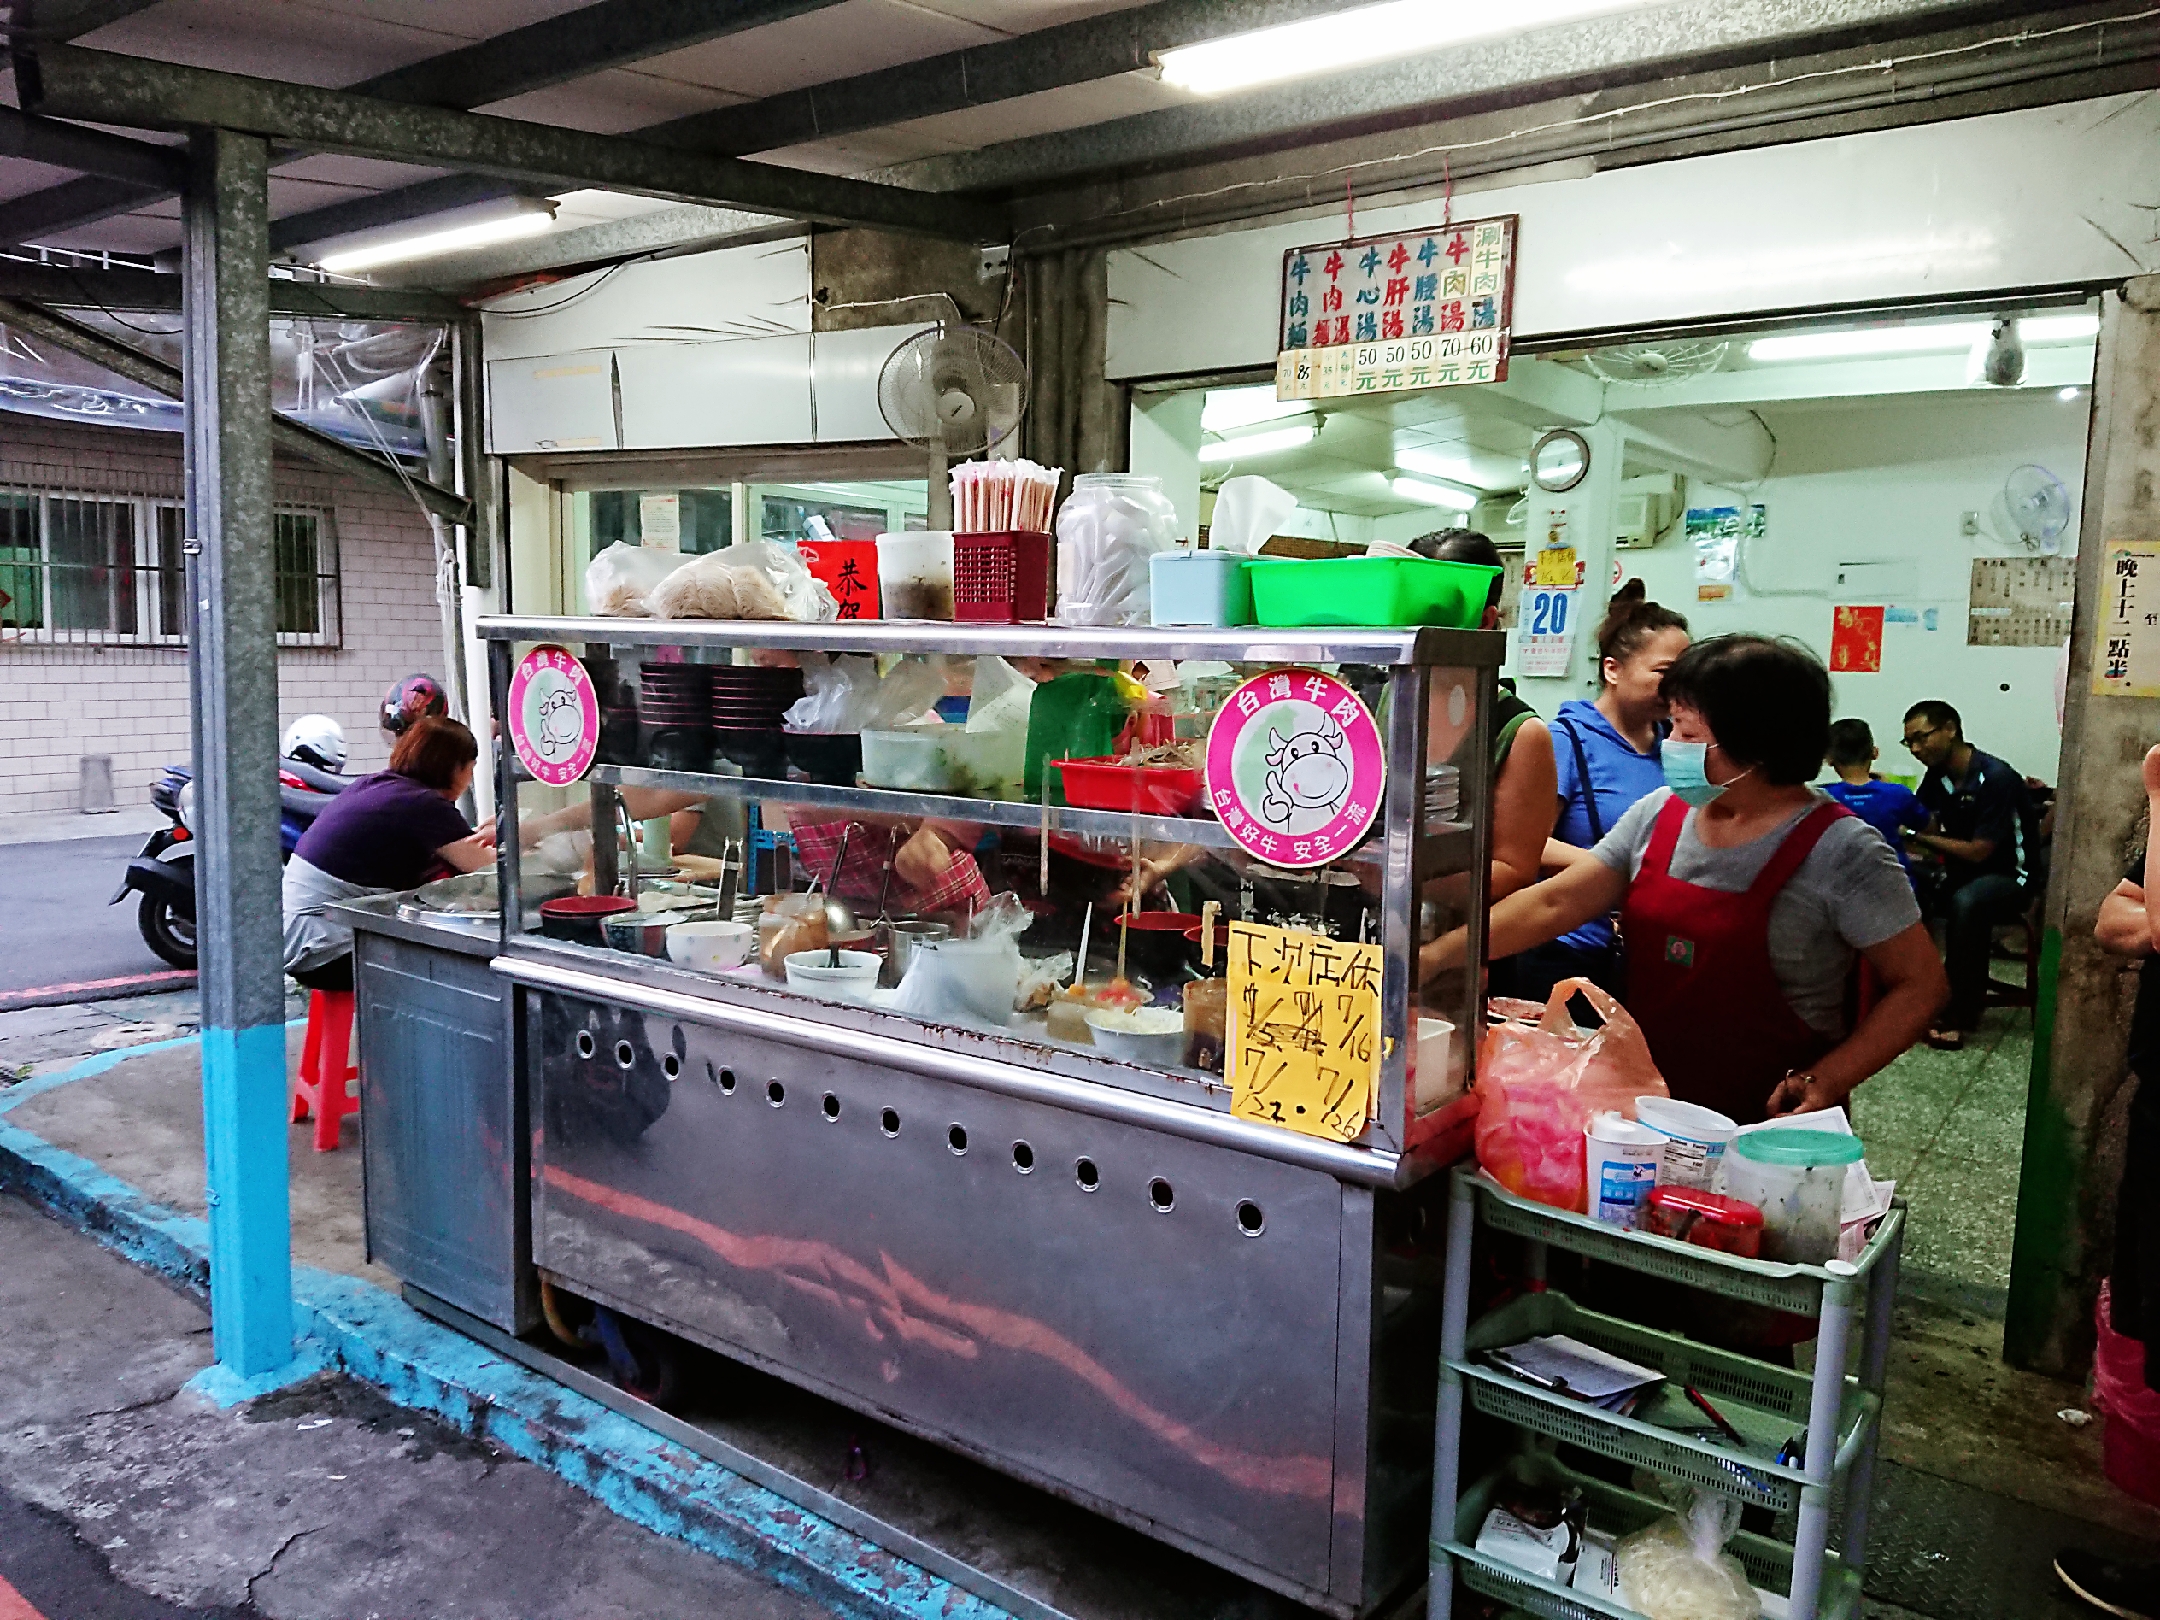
column 233, row 671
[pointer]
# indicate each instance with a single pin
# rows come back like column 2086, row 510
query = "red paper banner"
column 849, row 570
column 1856, row 641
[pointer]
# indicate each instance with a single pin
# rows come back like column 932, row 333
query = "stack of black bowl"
column 675, row 716
column 618, row 712
column 747, row 704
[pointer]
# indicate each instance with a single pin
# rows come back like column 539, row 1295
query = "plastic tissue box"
column 1200, row 587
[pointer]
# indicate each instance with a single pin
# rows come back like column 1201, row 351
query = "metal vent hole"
column 1160, row 1195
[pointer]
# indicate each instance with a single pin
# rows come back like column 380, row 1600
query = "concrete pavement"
column 320, row 1502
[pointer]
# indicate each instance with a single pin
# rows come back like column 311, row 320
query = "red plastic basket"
column 1001, row 578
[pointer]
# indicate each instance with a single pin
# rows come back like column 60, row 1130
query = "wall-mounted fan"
column 2037, row 507
column 1646, row 365
column 954, row 390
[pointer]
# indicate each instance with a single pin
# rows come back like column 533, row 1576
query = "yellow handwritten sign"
column 1556, row 567
column 1304, row 1031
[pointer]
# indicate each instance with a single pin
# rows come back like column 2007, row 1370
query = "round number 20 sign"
column 1295, row 768
column 554, row 715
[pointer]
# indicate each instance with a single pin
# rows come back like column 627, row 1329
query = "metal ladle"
column 839, row 915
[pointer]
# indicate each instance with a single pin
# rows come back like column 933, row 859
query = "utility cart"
column 1801, row 1442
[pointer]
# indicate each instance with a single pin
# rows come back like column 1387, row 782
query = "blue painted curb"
column 357, row 1328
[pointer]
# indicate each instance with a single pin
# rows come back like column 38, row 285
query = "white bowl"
column 711, row 947
column 810, row 972
column 1151, row 1036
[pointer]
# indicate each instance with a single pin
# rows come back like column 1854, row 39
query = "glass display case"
column 958, row 1066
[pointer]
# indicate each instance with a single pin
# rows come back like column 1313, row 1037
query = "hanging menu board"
column 2020, row 601
column 1385, row 314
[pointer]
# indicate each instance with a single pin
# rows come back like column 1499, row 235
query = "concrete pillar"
column 1078, row 419
column 1593, row 509
column 2079, row 1090
column 233, row 669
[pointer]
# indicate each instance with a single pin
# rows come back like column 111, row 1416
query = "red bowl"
column 1110, row 784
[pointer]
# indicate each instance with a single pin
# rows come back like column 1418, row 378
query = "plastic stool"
column 325, row 1079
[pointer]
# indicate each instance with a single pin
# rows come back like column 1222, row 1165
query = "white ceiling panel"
column 1025, row 16
column 19, row 177
column 368, row 174
column 1071, row 106
column 130, row 233
column 831, row 43
column 293, row 40
column 468, row 19
column 856, row 154
column 611, row 103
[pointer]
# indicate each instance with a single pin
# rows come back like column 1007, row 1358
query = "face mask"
column 1685, row 773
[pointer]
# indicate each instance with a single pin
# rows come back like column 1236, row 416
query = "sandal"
column 1946, row 1040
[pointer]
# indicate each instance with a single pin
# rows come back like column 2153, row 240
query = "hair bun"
column 1628, row 598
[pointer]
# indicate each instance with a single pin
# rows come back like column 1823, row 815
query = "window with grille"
column 110, row 568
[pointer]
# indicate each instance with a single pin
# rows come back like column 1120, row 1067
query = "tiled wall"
column 60, row 702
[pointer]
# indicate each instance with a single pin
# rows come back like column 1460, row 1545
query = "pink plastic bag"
column 2130, row 1444
column 1539, row 1083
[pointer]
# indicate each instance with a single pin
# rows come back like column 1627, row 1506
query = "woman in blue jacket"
column 1607, row 756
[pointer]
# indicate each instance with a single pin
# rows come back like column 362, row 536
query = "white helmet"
column 317, row 740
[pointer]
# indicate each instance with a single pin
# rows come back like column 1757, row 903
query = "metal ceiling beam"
column 1047, row 59
column 161, row 95
column 86, row 287
column 1596, row 55
column 1073, row 53
column 609, row 33
column 558, row 49
column 124, row 360
column 374, row 210
column 91, row 151
column 1798, row 97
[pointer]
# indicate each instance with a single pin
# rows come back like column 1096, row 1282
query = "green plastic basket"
column 1616, row 1512
column 1290, row 592
column 1779, row 1285
column 1765, row 1404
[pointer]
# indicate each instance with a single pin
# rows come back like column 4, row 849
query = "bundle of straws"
column 992, row 497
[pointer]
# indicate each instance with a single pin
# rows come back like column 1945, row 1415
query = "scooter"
column 163, row 873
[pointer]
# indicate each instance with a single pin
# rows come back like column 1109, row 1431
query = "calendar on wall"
column 2020, row 601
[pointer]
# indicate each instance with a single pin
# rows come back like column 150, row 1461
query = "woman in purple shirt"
column 386, row 833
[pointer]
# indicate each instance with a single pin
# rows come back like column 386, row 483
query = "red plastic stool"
column 325, row 1079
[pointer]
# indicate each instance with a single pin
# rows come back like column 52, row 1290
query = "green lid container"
column 1797, row 1148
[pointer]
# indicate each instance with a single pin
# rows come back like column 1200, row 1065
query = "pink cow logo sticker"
column 1295, row 767
column 554, row 716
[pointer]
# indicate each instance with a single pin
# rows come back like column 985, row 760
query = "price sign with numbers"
column 1382, row 314
column 1304, row 1031
column 2127, row 659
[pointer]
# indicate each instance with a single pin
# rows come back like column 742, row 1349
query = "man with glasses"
column 1975, row 855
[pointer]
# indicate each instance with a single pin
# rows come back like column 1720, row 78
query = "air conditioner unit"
column 1647, row 507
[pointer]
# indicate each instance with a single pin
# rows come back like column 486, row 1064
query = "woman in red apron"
column 1743, row 896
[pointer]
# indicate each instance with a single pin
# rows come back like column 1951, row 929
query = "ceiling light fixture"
column 432, row 244
column 1259, row 444
column 1855, row 343
column 1367, row 34
column 1228, row 409
column 1426, row 493
column 1455, row 467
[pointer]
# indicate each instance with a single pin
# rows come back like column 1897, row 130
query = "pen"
column 1712, row 1413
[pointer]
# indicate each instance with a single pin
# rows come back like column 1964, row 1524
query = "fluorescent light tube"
column 1231, row 408
column 1939, row 339
column 1259, row 444
column 1456, row 469
column 430, row 244
column 1426, row 493
column 2075, row 328
column 1367, row 34
column 1871, row 341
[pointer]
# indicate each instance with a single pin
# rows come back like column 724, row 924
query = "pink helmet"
column 414, row 698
